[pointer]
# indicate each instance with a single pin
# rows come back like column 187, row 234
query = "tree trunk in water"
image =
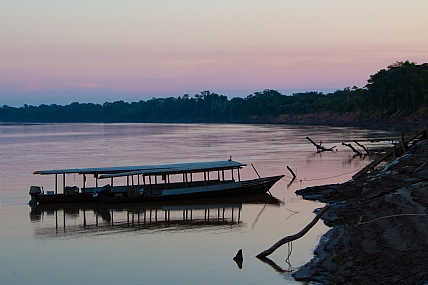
column 293, row 237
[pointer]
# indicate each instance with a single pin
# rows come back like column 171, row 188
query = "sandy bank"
column 379, row 223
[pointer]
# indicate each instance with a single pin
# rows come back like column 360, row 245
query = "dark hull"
column 237, row 201
column 250, row 187
column 63, row 198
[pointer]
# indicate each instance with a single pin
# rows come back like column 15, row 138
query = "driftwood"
column 292, row 173
column 396, row 150
column 294, row 177
column 357, row 152
column 363, row 147
column 319, row 146
column 288, row 239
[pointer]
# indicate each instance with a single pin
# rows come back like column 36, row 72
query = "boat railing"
column 153, row 189
column 142, row 189
column 181, row 185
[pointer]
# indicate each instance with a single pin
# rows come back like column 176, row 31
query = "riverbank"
column 79, row 113
column 350, row 119
column 379, row 223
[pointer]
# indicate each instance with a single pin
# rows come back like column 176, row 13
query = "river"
column 191, row 243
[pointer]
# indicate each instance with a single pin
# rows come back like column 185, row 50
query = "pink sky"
column 97, row 51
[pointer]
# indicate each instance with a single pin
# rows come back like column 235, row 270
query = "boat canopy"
column 99, row 170
column 109, row 172
column 180, row 168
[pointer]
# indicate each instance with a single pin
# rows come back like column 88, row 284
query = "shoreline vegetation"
column 395, row 98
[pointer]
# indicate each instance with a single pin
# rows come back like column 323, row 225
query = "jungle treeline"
column 399, row 91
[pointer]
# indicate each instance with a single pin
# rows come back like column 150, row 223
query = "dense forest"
column 400, row 91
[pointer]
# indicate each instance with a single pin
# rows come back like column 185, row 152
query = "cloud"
column 88, row 85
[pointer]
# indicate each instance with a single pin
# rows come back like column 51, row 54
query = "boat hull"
column 64, row 198
column 249, row 187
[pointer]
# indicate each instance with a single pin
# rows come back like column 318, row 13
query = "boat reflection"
column 56, row 220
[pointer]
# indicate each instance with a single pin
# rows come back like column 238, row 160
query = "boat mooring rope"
column 324, row 178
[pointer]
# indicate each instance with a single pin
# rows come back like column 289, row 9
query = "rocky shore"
column 379, row 226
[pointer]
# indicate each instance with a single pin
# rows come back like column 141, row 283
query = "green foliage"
column 401, row 90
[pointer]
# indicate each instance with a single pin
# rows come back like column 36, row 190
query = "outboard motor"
column 34, row 192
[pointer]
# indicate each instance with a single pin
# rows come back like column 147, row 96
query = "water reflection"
column 284, row 272
column 59, row 220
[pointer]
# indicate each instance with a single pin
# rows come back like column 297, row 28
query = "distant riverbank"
column 316, row 119
column 350, row 119
column 393, row 99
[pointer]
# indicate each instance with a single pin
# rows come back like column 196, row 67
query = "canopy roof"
column 109, row 172
column 180, row 168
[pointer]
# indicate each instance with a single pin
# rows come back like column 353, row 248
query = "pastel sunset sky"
column 97, row 51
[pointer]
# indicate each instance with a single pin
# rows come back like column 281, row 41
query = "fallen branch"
column 363, row 147
column 319, row 146
column 292, row 173
column 357, row 152
column 294, row 177
column 287, row 239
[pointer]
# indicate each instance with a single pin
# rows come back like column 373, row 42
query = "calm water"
column 190, row 243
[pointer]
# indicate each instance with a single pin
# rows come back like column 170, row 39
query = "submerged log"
column 319, row 146
column 357, row 152
column 287, row 239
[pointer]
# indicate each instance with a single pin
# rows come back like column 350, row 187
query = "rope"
column 391, row 216
column 330, row 176
column 302, row 180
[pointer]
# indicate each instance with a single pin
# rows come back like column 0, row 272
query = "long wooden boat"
column 153, row 183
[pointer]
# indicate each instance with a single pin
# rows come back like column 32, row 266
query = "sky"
column 58, row 52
